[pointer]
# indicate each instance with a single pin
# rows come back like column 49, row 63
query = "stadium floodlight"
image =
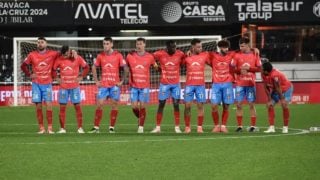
column 88, row 48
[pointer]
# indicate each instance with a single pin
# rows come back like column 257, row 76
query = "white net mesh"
column 89, row 48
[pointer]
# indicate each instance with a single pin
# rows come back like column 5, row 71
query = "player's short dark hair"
column 64, row 49
column 108, row 38
column 195, row 41
column 170, row 42
column 267, row 66
column 141, row 39
column 244, row 40
column 42, row 38
column 224, row 44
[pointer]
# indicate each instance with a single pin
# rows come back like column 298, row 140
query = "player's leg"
column 143, row 99
column 37, row 100
column 285, row 109
column 103, row 93
column 114, row 98
column 159, row 116
column 240, row 93
column 62, row 118
column 188, row 98
column 216, row 97
column 251, row 98
column 175, row 94
column 225, row 115
column 200, row 109
column 162, row 96
column 63, row 100
column 46, row 91
column 271, row 116
column 176, row 114
column 227, row 99
column 201, row 99
column 76, row 99
column 134, row 93
column 271, row 113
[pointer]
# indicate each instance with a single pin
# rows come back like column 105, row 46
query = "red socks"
column 215, row 117
column 113, row 117
column 200, row 120
column 225, row 115
column 49, row 118
column 253, row 120
column 271, row 116
column 40, row 118
column 177, row 118
column 62, row 116
column 187, row 121
column 79, row 115
column 97, row 117
column 159, row 119
column 239, row 120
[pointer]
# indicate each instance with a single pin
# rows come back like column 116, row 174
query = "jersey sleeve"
column 122, row 61
column 98, row 61
column 232, row 53
column 211, row 58
column 234, row 61
column 28, row 59
column 56, row 55
column 258, row 61
column 56, row 64
column 82, row 62
column 157, row 55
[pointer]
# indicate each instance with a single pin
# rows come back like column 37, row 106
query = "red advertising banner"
column 303, row 93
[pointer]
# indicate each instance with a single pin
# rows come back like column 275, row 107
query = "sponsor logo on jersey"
column 139, row 67
column 108, row 65
column 169, row 64
column 195, row 64
column 43, row 64
column 68, row 68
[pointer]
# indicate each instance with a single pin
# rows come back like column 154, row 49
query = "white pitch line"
column 301, row 131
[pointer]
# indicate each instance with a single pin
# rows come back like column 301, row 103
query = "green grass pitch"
column 128, row 155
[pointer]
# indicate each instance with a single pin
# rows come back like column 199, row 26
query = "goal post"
column 88, row 48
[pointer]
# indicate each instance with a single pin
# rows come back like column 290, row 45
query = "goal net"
column 89, row 48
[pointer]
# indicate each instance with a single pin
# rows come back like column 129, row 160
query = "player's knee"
column 284, row 106
column 225, row 107
column 162, row 103
column 239, row 106
column 214, row 107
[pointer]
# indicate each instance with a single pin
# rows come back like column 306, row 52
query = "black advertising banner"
column 142, row 13
column 35, row 13
column 274, row 11
column 146, row 13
